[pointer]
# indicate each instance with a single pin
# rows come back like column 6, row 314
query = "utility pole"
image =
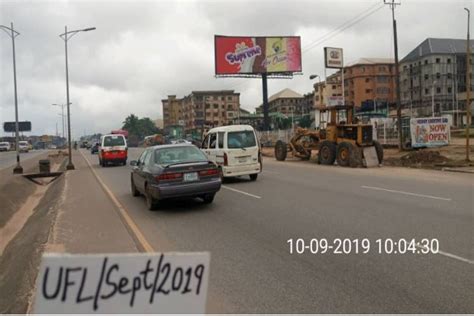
column 392, row 5
column 266, row 119
column 468, row 84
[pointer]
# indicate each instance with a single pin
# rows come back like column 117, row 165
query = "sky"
column 143, row 51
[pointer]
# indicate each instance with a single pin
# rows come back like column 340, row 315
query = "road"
column 8, row 159
column 247, row 227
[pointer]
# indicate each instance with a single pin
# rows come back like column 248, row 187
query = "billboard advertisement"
column 333, row 57
column 429, row 132
column 257, row 55
column 24, row 126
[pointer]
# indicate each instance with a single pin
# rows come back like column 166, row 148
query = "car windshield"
column 241, row 139
column 114, row 141
column 171, row 155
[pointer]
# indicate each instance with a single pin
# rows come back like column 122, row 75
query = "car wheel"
column 253, row 177
column 208, row 198
column 135, row 192
column 151, row 203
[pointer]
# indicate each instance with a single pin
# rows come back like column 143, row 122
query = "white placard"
column 333, row 57
column 123, row 283
column 429, row 131
column 335, row 100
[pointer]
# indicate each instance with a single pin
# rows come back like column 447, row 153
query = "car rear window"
column 241, row 139
column 166, row 156
column 114, row 141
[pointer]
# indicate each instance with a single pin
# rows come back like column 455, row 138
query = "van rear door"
column 242, row 147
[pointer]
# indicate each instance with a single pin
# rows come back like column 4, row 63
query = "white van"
column 113, row 149
column 235, row 148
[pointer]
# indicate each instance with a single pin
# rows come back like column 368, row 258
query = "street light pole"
column 66, row 36
column 18, row 168
column 392, row 4
column 468, row 84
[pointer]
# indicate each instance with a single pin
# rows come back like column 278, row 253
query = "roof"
column 215, row 92
column 371, row 61
column 285, row 94
column 231, row 128
column 438, row 46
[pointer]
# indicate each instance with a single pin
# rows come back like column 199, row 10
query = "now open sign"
column 123, row 283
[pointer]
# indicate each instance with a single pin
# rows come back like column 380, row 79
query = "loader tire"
column 327, row 153
column 344, row 151
column 280, row 150
column 379, row 151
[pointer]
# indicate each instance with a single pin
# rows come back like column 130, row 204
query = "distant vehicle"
column 235, row 149
column 52, row 146
column 95, row 148
column 174, row 171
column 5, row 146
column 40, row 145
column 23, row 146
column 153, row 140
column 84, row 144
column 113, row 149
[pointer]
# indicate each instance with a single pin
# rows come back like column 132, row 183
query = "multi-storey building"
column 370, row 81
column 201, row 109
column 433, row 75
column 286, row 102
column 322, row 91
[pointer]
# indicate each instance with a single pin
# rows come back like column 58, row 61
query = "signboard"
column 123, row 283
column 429, row 132
column 335, row 100
column 333, row 57
column 24, row 126
column 257, row 55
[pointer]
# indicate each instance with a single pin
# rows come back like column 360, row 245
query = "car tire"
column 253, row 177
column 135, row 192
column 208, row 198
column 327, row 153
column 151, row 202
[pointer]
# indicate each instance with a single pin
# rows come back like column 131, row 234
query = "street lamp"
column 12, row 33
column 432, row 98
column 468, row 83
column 66, row 36
column 62, row 115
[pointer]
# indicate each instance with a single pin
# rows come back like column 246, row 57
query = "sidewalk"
column 87, row 221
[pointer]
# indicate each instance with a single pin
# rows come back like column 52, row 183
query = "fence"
column 269, row 138
column 385, row 130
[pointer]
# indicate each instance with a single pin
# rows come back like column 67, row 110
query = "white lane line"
column 406, row 193
column 241, row 192
column 447, row 254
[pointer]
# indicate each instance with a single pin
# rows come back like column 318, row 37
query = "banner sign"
column 257, row 55
column 429, row 131
column 166, row 283
column 335, row 100
column 333, row 57
column 24, row 126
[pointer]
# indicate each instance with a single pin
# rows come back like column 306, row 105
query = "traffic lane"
column 238, row 238
column 8, row 159
column 341, row 197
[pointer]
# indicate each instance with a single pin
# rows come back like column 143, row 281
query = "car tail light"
column 209, row 172
column 169, row 176
column 226, row 160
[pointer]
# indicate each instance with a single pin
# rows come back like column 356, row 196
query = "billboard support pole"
column 266, row 121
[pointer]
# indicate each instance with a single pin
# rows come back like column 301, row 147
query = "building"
column 369, row 82
column 247, row 118
column 201, row 109
column 322, row 91
column 433, row 75
column 286, row 102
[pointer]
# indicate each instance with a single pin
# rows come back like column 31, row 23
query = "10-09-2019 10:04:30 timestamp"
column 346, row 246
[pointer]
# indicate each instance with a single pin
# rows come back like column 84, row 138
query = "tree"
column 139, row 127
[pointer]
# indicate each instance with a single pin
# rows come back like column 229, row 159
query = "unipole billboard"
column 257, row 55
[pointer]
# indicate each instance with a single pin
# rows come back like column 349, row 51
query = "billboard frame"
column 272, row 75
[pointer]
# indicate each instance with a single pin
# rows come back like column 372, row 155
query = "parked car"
column 113, row 149
column 235, row 149
column 23, row 146
column 174, row 171
column 5, row 146
column 95, row 148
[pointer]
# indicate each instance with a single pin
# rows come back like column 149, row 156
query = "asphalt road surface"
column 247, row 227
column 8, row 159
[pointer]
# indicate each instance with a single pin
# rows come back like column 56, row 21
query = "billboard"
column 22, row 127
column 429, row 132
column 257, row 55
column 333, row 57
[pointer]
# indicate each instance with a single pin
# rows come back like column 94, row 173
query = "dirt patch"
column 418, row 158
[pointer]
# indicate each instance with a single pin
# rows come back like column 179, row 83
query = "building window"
column 449, row 75
column 214, row 97
column 448, row 61
column 208, row 106
column 333, row 87
column 427, row 91
column 438, row 60
column 438, row 75
column 362, row 69
column 438, row 90
column 450, row 90
column 426, row 77
column 368, row 90
column 426, row 61
column 229, row 98
column 367, row 79
column 216, row 106
column 382, row 68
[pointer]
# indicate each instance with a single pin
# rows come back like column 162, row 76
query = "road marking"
column 447, row 254
column 241, row 192
column 406, row 193
column 137, row 235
